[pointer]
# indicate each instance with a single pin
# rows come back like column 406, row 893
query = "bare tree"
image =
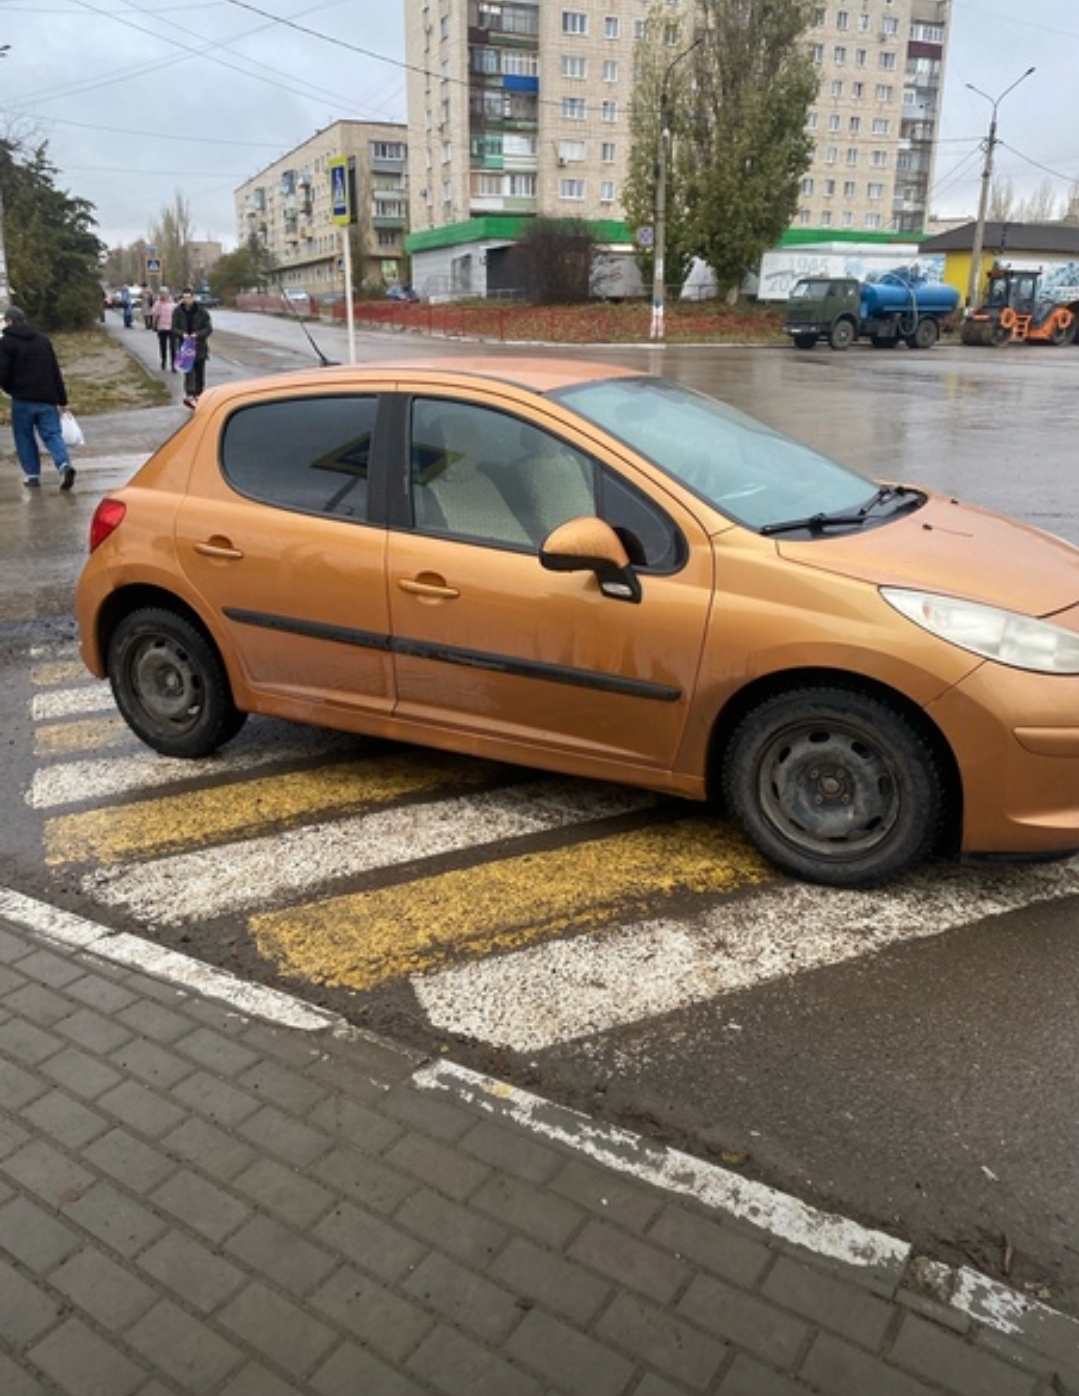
column 172, row 236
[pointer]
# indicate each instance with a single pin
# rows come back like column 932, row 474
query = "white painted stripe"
column 672, row 1170
column 258, row 872
column 64, row 928
column 78, row 782
column 65, row 702
column 537, row 997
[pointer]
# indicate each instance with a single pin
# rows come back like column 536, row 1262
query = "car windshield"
column 747, row 471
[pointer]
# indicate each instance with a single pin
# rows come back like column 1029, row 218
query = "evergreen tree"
column 53, row 256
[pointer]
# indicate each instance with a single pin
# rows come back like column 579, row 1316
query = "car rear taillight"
column 107, row 518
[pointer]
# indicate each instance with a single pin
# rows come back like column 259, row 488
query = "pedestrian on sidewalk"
column 192, row 319
column 30, row 375
column 161, row 315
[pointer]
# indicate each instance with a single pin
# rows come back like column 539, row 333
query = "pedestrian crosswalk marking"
column 198, row 817
column 364, row 939
column 234, row 877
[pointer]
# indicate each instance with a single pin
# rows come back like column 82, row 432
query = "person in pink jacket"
column 161, row 320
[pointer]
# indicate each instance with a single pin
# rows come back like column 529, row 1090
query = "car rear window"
column 308, row 454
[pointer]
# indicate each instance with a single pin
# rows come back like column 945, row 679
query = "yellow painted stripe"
column 364, row 939
column 198, row 818
column 63, row 738
column 49, row 673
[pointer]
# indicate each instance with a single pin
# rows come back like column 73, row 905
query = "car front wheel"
column 834, row 786
column 170, row 684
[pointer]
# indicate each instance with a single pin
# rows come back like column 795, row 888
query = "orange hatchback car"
column 596, row 571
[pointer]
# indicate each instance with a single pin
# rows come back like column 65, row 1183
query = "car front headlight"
column 1021, row 642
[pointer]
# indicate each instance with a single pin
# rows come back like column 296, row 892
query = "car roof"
column 530, row 372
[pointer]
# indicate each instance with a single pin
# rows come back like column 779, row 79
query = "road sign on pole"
column 341, row 210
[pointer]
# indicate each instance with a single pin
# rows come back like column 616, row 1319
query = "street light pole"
column 5, row 289
column 660, row 232
column 983, row 201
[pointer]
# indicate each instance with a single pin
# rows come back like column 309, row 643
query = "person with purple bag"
column 191, row 328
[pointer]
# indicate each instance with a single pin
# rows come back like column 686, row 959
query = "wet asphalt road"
column 930, row 1088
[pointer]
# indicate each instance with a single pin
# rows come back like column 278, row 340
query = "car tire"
column 842, row 335
column 805, row 341
column 926, row 333
column 170, row 684
column 835, row 786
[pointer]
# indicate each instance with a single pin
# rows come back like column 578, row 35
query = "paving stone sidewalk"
column 195, row 1199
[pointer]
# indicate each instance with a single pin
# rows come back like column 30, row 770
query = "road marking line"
column 69, row 702
column 265, row 871
column 70, row 738
column 367, row 938
column 77, row 782
column 193, row 817
column 543, row 995
column 48, row 673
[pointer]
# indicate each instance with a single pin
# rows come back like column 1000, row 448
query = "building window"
column 572, row 151
column 833, row 122
column 849, row 189
column 816, row 53
column 805, row 217
column 889, row 25
column 884, row 92
column 863, row 22
column 826, row 220
column 881, row 126
column 811, row 121
column 875, row 191
column 607, row 152
column 573, row 67
column 606, row 191
column 842, row 19
column 872, row 220
column 855, row 125
column 852, row 155
column 839, row 55
column 573, row 108
column 829, row 188
column 886, row 61
column 521, row 186
column 610, row 27
column 609, row 111
column 879, row 159
column 837, row 87
column 831, row 155
column 574, row 22
column 860, row 57
column 807, row 187
column 640, row 29
column 610, row 70
column 857, row 90
column 848, row 219
column 571, row 188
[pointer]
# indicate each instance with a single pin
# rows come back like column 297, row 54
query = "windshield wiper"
column 847, row 518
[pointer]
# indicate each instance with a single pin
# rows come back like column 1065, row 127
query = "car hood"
column 957, row 549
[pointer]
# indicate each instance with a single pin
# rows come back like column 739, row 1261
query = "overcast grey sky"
column 139, row 99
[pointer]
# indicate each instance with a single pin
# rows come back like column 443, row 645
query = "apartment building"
column 518, row 108
column 874, row 123
column 289, row 207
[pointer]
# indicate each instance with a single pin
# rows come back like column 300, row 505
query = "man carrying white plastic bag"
column 30, row 375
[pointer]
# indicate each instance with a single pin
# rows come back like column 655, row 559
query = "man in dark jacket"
column 30, row 375
column 191, row 318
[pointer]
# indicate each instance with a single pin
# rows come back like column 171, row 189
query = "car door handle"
column 432, row 590
column 218, row 550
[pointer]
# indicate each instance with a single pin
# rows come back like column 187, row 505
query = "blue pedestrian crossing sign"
column 338, row 168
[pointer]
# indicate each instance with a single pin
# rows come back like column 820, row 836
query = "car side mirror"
column 589, row 545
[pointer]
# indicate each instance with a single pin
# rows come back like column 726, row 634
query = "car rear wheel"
column 834, row 786
column 926, row 333
column 170, row 684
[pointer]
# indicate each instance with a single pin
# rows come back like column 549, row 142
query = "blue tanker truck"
column 842, row 309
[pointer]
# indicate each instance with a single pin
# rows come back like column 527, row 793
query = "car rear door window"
column 308, row 454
